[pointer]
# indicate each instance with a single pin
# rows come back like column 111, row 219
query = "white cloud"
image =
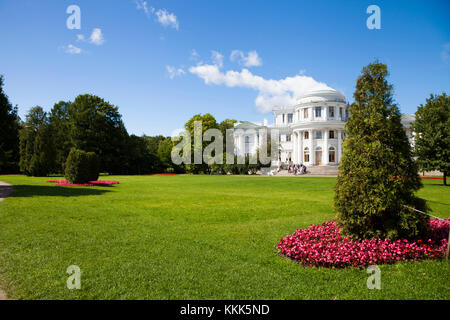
column 167, row 19
column 80, row 37
column 143, row 5
column 445, row 55
column 251, row 60
column 271, row 93
column 217, row 58
column 164, row 17
column 97, row 37
column 71, row 49
column 174, row 72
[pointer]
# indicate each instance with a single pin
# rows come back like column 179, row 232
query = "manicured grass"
column 187, row 237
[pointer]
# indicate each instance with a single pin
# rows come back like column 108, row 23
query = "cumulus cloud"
column 97, row 37
column 80, row 37
column 174, row 72
column 71, row 49
column 271, row 93
column 252, row 58
column 167, row 19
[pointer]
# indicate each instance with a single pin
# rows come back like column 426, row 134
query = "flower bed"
column 435, row 178
column 324, row 246
column 66, row 183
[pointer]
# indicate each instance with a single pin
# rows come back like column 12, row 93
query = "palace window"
column 283, row 117
column 318, row 111
column 331, row 134
column 290, row 117
column 305, row 113
column 306, row 135
column 331, row 112
column 288, row 137
column 332, row 155
column 340, row 112
column 318, row 134
column 306, row 154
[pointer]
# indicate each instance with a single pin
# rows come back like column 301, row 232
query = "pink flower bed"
column 324, row 246
column 66, row 183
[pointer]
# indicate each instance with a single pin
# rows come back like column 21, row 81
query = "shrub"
column 81, row 167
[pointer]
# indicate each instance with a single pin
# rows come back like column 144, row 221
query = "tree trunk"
column 445, row 178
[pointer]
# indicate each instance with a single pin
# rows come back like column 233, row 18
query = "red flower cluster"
column 324, row 246
column 66, row 183
column 439, row 229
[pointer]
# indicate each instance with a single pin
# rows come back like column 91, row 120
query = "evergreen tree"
column 377, row 175
column 9, row 134
column 432, row 135
column 140, row 159
column 60, row 131
column 36, row 144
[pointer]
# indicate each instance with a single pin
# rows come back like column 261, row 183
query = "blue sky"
column 141, row 56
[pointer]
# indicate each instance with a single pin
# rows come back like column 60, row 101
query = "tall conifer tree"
column 9, row 134
column 377, row 175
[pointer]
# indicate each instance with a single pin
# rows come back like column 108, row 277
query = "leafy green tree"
column 208, row 122
column 164, row 155
column 432, row 135
column 153, row 143
column 9, row 134
column 36, row 144
column 377, row 175
column 223, row 127
column 96, row 126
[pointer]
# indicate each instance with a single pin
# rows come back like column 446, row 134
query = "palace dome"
column 321, row 96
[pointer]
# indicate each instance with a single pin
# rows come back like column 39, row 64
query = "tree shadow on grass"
column 26, row 191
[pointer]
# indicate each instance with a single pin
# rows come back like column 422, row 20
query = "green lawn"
column 187, row 237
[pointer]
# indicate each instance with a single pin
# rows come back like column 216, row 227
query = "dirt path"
column 5, row 190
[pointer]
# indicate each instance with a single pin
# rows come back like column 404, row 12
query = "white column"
column 311, row 150
column 259, row 140
column 339, row 148
column 294, row 147
column 325, row 146
column 325, row 111
column 300, row 147
column 311, row 114
column 242, row 144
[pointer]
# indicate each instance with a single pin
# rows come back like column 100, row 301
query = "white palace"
column 311, row 132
